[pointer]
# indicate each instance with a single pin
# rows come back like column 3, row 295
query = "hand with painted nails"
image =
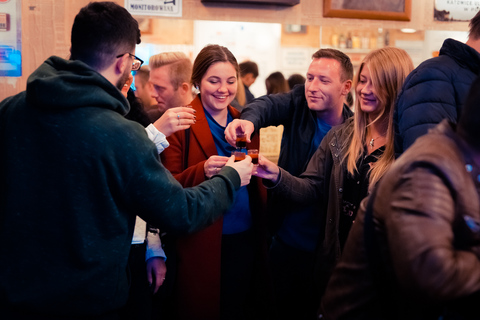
column 175, row 119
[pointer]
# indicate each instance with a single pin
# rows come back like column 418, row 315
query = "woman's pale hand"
column 266, row 169
column 213, row 165
column 175, row 119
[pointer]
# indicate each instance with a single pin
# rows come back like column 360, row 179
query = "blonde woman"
column 350, row 159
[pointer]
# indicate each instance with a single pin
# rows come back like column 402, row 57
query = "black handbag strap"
column 186, row 148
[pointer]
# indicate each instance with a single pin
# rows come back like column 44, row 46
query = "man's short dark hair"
column 247, row 67
column 101, row 31
column 474, row 26
column 341, row 57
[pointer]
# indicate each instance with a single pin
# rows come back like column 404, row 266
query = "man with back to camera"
column 248, row 75
column 74, row 173
column 437, row 88
column 307, row 113
column 170, row 74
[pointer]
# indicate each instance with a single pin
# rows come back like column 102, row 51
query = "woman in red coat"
column 221, row 270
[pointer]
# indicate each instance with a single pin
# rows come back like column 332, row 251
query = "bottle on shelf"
column 380, row 39
column 356, row 41
column 373, row 41
column 349, row 41
column 365, row 41
column 387, row 38
column 342, row 41
column 334, row 40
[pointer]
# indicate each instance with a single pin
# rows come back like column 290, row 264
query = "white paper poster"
column 455, row 10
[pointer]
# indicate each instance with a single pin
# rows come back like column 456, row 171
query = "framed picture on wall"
column 368, row 9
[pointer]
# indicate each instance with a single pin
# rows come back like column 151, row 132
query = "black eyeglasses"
column 137, row 62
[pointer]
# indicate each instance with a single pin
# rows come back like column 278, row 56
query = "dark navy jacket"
column 291, row 110
column 435, row 90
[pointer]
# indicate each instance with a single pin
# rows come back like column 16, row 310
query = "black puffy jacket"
column 434, row 91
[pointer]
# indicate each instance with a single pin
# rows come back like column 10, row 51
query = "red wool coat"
column 197, row 290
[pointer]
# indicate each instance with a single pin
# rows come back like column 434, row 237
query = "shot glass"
column 241, row 142
column 253, row 153
column 239, row 155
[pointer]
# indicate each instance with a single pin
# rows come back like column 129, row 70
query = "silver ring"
column 178, row 116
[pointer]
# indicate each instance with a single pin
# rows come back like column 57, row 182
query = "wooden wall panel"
column 311, row 38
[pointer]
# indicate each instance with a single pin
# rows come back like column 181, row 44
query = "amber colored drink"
column 241, row 142
column 254, row 158
column 239, row 155
column 253, row 153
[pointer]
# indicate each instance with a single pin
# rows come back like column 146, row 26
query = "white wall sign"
column 455, row 10
column 164, row 8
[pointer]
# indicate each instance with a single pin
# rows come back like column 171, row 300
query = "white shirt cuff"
column 157, row 137
column 154, row 247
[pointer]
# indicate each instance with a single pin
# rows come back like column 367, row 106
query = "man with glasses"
column 74, row 173
column 137, row 62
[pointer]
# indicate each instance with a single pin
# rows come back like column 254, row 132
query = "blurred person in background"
column 248, row 75
column 143, row 92
column 276, row 83
column 295, row 79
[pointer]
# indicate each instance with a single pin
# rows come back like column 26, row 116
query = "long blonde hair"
column 388, row 69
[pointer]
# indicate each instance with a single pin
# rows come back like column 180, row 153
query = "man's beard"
column 123, row 79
